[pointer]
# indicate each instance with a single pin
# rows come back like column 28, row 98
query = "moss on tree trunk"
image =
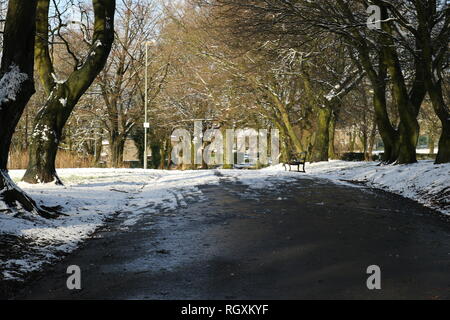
column 322, row 140
column 17, row 66
column 63, row 96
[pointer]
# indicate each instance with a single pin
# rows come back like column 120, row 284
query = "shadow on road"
column 311, row 239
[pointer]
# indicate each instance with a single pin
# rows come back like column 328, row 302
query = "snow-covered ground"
column 424, row 181
column 90, row 196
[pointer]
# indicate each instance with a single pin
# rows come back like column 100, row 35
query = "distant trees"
column 196, row 84
column 121, row 83
column 298, row 86
column 405, row 57
column 63, row 95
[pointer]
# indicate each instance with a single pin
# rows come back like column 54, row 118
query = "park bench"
column 298, row 160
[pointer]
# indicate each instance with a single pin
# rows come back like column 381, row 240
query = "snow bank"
column 89, row 197
column 424, row 181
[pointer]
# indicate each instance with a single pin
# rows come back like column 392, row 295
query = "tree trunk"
column 156, row 155
column 409, row 125
column 437, row 99
column 63, row 96
column 388, row 134
column 408, row 105
column 26, row 131
column 117, row 145
column 44, row 143
column 373, row 134
column 435, row 92
column 332, row 130
column 365, row 141
column 433, row 60
column 16, row 79
column 169, row 153
column 408, row 138
column 378, row 77
column 351, row 148
column 443, row 155
column 163, row 155
column 285, row 119
column 322, row 140
column 98, row 149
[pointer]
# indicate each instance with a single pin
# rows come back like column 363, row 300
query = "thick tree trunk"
column 387, row 132
column 156, row 155
column 117, row 145
column 322, row 140
column 378, row 77
column 434, row 87
column 332, row 130
column 443, row 155
column 16, row 80
column 63, row 96
column 408, row 104
column 437, row 99
column 433, row 58
column 44, row 143
column 287, row 124
column 297, row 144
column 408, row 139
column 285, row 142
column 16, row 72
column 409, row 126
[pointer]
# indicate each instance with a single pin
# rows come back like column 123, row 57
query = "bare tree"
column 121, row 82
column 64, row 95
column 394, row 53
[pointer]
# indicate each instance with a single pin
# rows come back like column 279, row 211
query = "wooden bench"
column 298, row 160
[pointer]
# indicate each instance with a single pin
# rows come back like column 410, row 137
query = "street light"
column 146, row 123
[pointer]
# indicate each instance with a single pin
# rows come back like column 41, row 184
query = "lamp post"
column 146, row 123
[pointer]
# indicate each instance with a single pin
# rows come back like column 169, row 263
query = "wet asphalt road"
column 314, row 243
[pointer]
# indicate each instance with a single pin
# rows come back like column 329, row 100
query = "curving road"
column 311, row 239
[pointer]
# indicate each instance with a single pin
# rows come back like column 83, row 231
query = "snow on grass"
column 423, row 182
column 89, row 197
